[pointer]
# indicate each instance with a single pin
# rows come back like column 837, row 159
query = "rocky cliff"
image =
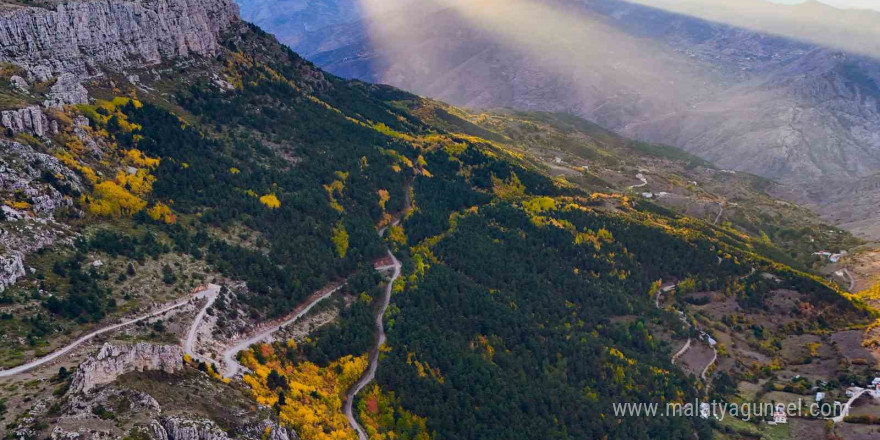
column 56, row 50
column 86, row 37
column 115, row 360
column 181, row 428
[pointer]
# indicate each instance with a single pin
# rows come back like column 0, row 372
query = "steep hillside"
column 775, row 107
column 598, row 160
column 254, row 238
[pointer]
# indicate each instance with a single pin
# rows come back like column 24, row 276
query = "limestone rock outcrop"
column 29, row 120
column 29, row 227
column 178, row 428
column 66, row 90
column 115, row 360
column 85, row 37
column 22, row 170
column 11, row 269
column 182, row 428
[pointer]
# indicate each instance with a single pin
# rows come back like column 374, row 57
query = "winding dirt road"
column 231, row 365
column 681, row 352
column 66, row 349
column 370, row 374
column 189, row 343
column 642, row 178
column 852, row 280
column 845, row 411
column 718, row 217
column 712, row 362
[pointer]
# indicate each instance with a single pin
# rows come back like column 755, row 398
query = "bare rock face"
column 21, row 172
column 22, row 169
column 84, row 37
column 66, row 90
column 29, row 120
column 115, row 360
column 179, row 428
column 11, row 269
column 182, row 428
column 20, row 84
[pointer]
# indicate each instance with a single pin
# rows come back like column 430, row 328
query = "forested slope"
column 526, row 307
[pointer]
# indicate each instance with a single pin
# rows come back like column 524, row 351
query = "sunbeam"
column 601, row 65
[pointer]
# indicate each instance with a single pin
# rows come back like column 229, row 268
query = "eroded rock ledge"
column 115, row 360
column 84, row 37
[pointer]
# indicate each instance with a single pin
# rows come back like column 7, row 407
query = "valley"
column 190, row 252
column 784, row 109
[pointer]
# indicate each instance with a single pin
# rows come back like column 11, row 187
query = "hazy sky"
column 850, row 30
column 853, row 4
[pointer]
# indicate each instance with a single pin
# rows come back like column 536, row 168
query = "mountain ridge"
column 216, row 194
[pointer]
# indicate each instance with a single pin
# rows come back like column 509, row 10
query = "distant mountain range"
column 784, row 109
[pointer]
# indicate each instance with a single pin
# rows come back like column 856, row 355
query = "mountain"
column 205, row 236
column 788, row 110
column 294, row 19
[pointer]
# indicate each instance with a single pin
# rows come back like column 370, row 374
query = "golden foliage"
column 423, row 369
column 313, row 395
column 271, row 201
column 390, row 132
column 140, row 183
column 538, row 205
column 482, row 341
column 400, row 161
column 111, row 200
column 161, row 212
column 73, row 164
column 334, row 191
column 139, row 159
column 384, row 197
column 208, row 368
column 871, row 293
column 340, row 239
column 397, row 235
column 111, row 111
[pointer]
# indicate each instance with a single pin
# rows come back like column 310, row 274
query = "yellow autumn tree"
column 139, row 159
column 340, row 239
column 384, row 197
column 334, row 192
column 271, row 201
column 160, row 212
column 397, row 235
column 111, row 200
column 312, row 395
column 140, row 182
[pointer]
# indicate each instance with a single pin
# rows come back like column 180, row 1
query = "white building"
column 779, row 415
